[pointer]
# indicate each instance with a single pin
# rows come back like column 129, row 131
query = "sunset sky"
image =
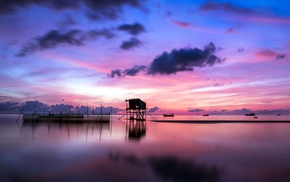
column 176, row 55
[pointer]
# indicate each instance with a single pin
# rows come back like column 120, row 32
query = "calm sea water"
column 149, row 151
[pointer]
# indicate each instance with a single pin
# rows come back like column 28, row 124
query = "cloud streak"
column 195, row 27
column 131, row 43
column 195, row 110
column 270, row 54
column 243, row 14
column 55, row 38
column 210, row 6
column 127, row 72
column 232, row 29
column 133, row 29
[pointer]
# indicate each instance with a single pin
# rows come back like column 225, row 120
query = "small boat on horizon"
column 168, row 115
column 206, row 115
column 250, row 114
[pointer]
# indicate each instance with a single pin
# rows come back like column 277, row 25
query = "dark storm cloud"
column 27, row 106
column 55, row 38
column 9, row 106
column 131, row 43
column 110, row 9
column 176, row 61
column 127, row 72
column 132, row 29
column 117, row 73
column 9, row 6
column 280, row 56
column 154, row 109
column 183, row 60
column 195, row 110
column 37, row 106
column 134, row 71
column 211, row 6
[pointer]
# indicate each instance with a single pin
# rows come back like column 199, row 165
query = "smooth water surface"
column 149, row 151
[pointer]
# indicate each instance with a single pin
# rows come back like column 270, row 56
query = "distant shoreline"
column 220, row 121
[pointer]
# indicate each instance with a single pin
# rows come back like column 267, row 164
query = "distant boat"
column 206, row 115
column 168, row 115
column 250, row 114
column 278, row 114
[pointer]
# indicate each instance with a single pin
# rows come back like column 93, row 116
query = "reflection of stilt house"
column 136, row 129
column 136, row 109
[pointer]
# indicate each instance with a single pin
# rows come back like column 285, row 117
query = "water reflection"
column 49, row 151
column 136, row 129
column 174, row 169
column 93, row 130
column 170, row 167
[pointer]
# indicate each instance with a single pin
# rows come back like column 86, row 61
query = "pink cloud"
column 75, row 62
column 266, row 53
column 187, row 25
column 180, row 23
column 259, row 18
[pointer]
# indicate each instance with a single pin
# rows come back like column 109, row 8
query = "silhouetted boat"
column 168, row 115
column 250, row 114
column 278, row 114
column 206, row 115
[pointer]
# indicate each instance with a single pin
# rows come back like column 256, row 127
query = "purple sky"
column 176, row 55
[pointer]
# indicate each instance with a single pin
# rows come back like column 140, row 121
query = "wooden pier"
column 74, row 118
